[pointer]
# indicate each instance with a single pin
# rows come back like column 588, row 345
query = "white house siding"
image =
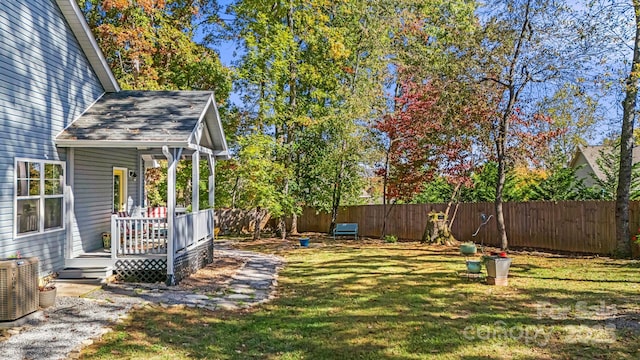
column 93, row 181
column 45, row 83
column 584, row 170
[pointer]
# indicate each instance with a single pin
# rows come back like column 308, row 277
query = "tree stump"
column 437, row 230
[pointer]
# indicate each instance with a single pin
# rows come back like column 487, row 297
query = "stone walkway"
column 252, row 284
column 60, row 332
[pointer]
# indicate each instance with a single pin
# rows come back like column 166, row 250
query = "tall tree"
column 525, row 43
column 574, row 109
column 149, row 45
column 623, row 233
column 432, row 133
column 311, row 76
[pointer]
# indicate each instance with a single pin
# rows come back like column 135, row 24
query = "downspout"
column 171, row 213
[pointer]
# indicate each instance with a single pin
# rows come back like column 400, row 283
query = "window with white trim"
column 39, row 196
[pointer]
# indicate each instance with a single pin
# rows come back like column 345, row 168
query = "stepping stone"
column 239, row 297
column 261, row 295
column 252, row 276
column 227, row 305
column 242, row 290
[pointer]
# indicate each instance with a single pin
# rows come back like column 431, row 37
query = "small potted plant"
column 106, row 240
column 468, row 248
column 304, row 241
column 47, row 291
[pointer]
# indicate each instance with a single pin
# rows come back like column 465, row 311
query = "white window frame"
column 42, row 197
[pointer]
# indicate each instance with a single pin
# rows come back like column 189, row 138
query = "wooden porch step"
column 86, row 273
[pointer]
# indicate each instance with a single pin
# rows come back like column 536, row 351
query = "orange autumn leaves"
column 147, row 5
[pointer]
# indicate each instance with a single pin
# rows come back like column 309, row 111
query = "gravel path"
column 60, row 332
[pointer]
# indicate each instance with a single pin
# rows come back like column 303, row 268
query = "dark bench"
column 345, row 229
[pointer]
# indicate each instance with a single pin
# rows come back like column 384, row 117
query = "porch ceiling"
column 149, row 119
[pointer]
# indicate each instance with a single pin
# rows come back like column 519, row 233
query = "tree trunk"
column 294, row 224
column 258, row 221
column 454, row 197
column 623, row 234
column 513, row 91
column 501, row 144
column 337, row 194
column 437, row 230
column 502, row 230
column 282, row 227
column 235, row 190
column 385, row 199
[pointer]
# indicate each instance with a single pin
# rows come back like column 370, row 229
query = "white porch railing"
column 149, row 235
column 138, row 235
column 193, row 228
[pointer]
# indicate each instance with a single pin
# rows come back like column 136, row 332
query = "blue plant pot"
column 468, row 249
column 304, row 242
column 474, row 266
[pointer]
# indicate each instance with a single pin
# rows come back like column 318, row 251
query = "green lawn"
column 349, row 300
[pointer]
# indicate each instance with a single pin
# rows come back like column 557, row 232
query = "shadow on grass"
column 367, row 302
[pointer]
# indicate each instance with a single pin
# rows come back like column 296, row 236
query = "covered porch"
column 109, row 149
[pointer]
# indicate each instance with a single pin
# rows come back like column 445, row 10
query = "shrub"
column 391, row 239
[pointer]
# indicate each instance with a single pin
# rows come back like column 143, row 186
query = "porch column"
column 172, row 162
column 195, row 191
column 212, row 182
column 212, row 192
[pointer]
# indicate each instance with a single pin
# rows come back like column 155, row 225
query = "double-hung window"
column 39, row 196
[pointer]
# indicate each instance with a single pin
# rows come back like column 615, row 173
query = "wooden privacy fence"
column 575, row 226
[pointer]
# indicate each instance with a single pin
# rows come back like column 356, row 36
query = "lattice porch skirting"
column 155, row 270
column 191, row 261
column 141, row 270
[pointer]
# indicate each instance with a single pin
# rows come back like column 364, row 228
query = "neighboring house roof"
column 592, row 153
column 146, row 119
column 88, row 43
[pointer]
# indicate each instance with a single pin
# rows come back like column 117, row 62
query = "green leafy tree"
column 437, row 191
column 608, row 163
column 149, row 45
column 576, row 112
column 310, row 76
column 562, row 184
column 260, row 178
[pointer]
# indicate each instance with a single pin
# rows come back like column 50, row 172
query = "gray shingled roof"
column 592, row 154
column 139, row 118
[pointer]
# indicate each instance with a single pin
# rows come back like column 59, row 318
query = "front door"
column 119, row 189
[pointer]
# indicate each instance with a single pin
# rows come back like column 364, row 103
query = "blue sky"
column 610, row 105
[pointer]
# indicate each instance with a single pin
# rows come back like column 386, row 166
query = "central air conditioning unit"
column 18, row 288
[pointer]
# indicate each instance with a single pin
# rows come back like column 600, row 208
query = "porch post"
column 115, row 237
column 195, row 190
column 171, row 211
column 212, row 182
column 195, row 182
column 212, row 191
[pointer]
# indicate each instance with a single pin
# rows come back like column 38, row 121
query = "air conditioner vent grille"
column 18, row 288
